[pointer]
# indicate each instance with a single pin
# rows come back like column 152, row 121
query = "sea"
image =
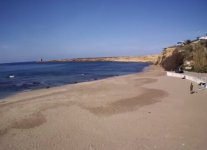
column 27, row 76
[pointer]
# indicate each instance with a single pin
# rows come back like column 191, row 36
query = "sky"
column 58, row 29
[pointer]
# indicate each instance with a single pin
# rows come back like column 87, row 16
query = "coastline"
column 4, row 97
column 147, row 58
column 48, row 75
column 147, row 110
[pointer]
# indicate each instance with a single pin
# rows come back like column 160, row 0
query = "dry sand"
column 143, row 111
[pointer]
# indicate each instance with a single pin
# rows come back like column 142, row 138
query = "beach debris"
column 202, row 84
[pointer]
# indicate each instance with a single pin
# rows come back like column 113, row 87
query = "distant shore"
column 149, row 58
column 140, row 111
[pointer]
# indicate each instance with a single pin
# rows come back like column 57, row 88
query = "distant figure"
column 191, row 88
column 179, row 70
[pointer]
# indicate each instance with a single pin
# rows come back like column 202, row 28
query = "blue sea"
column 18, row 77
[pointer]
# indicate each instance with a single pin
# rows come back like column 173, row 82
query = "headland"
column 148, row 58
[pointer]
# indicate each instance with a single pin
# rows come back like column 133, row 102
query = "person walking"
column 191, row 88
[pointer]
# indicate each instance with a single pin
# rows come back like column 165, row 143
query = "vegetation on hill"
column 200, row 56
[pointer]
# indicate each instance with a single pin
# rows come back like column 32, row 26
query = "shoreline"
column 75, row 83
column 145, row 110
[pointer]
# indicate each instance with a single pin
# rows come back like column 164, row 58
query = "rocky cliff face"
column 170, row 58
column 193, row 54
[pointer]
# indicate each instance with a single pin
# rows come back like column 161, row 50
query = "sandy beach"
column 144, row 111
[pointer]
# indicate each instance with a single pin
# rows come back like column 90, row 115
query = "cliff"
column 192, row 55
column 170, row 58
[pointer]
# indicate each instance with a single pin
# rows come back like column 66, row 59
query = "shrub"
column 200, row 59
column 187, row 41
column 203, row 43
column 188, row 52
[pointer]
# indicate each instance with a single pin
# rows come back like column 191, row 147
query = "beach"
column 145, row 111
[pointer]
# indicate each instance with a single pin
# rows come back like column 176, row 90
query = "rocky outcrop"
column 170, row 58
column 191, row 55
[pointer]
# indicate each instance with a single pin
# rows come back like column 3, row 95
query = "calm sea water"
column 17, row 77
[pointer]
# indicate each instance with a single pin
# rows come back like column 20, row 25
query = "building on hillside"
column 180, row 43
column 203, row 37
column 188, row 64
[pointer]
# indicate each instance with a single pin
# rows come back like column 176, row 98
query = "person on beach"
column 191, row 88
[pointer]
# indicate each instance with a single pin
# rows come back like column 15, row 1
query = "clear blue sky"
column 55, row 29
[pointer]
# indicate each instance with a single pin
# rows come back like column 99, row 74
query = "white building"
column 203, row 38
column 182, row 43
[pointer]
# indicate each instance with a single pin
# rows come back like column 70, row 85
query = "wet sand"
column 141, row 111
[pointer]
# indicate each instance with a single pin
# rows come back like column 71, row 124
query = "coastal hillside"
column 149, row 58
column 190, row 55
